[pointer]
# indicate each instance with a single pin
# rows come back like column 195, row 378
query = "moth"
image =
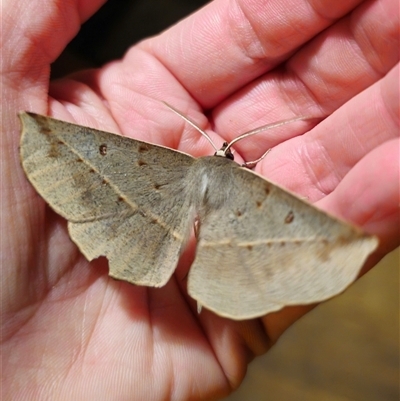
column 259, row 247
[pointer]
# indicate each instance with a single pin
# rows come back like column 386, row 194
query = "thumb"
column 34, row 33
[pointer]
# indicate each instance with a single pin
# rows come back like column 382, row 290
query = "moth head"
column 225, row 151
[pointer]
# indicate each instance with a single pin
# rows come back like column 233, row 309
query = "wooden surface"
column 346, row 349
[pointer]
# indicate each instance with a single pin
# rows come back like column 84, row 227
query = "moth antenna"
column 189, row 121
column 253, row 163
column 267, row 127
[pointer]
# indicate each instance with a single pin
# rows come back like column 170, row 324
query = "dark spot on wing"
column 141, row 163
column 249, row 247
column 259, row 204
column 143, row 147
column 289, row 218
column 92, row 171
column 45, row 130
column 54, row 150
column 267, row 191
column 238, row 213
column 325, row 253
column 121, row 199
column 79, row 160
column 103, row 149
column 283, row 243
column 157, row 186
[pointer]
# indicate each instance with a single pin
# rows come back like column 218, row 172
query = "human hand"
column 69, row 332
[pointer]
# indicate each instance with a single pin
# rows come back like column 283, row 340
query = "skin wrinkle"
column 81, row 353
column 145, row 48
column 368, row 40
column 22, row 321
column 42, row 363
column 166, row 360
column 353, row 138
column 150, row 342
column 252, row 38
column 302, row 87
column 151, row 330
column 297, row 25
column 394, row 115
column 307, row 161
column 45, row 384
column 182, row 128
column 361, row 48
column 39, row 253
column 84, row 344
column 323, row 95
column 77, row 356
column 359, row 55
column 253, row 43
column 332, row 13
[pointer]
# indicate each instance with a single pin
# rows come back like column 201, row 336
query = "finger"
column 126, row 97
column 313, row 164
column 188, row 56
column 33, row 34
column 228, row 44
column 345, row 59
column 369, row 195
column 129, row 86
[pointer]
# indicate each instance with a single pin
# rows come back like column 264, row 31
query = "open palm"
column 69, row 331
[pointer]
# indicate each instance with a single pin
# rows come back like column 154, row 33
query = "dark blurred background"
column 118, row 25
column 347, row 348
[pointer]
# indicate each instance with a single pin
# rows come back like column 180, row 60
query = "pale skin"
column 69, row 331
